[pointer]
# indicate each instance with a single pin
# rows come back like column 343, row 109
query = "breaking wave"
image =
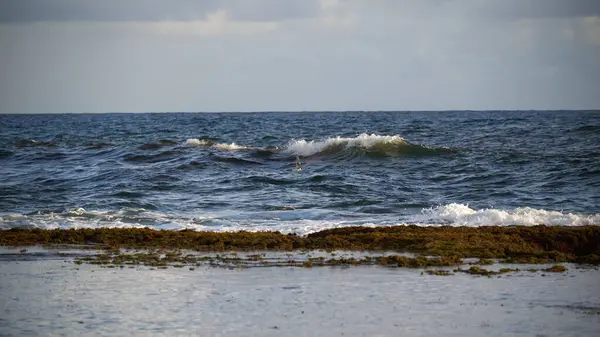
column 287, row 219
column 363, row 144
column 463, row 215
column 368, row 144
column 219, row 146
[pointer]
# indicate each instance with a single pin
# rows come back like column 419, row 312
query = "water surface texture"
column 42, row 296
column 299, row 172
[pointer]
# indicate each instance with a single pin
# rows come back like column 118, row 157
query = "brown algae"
column 556, row 269
column 521, row 244
column 475, row 270
column 431, row 246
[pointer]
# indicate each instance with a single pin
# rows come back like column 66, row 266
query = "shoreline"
column 519, row 244
column 144, row 281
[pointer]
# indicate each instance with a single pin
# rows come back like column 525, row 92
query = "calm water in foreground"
column 238, row 171
column 47, row 295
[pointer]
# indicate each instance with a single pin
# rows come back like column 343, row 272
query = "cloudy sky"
column 256, row 55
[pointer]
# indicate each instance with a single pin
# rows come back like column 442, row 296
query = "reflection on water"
column 56, row 297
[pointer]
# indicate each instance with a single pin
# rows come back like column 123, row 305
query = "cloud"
column 322, row 55
column 152, row 10
column 274, row 10
column 517, row 9
column 215, row 23
column 591, row 30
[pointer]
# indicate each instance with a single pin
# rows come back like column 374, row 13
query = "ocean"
column 299, row 172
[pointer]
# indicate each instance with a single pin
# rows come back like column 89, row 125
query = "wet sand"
column 43, row 292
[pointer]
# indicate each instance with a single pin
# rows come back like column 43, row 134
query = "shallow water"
column 49, row 295
column 238, row 171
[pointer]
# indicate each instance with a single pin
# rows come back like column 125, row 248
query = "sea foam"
column 463, row 215
column 220, row 146
column 371, row 144
column 293, row 221
column 306, row 148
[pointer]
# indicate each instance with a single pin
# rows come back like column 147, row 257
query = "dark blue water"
column 299, row 172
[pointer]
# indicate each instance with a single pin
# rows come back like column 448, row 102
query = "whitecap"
column 306, row 148
column 219, row 146
column 462, row 215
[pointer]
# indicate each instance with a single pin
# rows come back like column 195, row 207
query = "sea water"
column 299, row 172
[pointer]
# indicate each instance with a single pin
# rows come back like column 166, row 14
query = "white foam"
column 300, row 227
column 291, row 221
column 198, row 142
column 230, row 147
column 308, row 148
column 219, row 146
column 463, row 215
column 81, row 218
column 282, row 221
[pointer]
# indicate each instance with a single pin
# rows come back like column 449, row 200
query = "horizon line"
column 295, row 111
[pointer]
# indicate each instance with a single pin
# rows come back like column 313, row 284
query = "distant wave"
column 98, row 146
column 219, row 146
column 339, row 147
column 363, row 144
column 235, row 160
column 369, row 144
column 154, row 146
column 162, row 156
column 269, row 180
column 34, row 143
column 587, row 129
column 193, row 165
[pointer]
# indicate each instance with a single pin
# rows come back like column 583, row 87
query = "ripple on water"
column 315, row 301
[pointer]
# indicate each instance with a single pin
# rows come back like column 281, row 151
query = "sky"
column 298, row 55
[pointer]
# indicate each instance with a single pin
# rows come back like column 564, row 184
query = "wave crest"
column 214, row 144
column 463, row 215
column 363, row 144
column 370, row 144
